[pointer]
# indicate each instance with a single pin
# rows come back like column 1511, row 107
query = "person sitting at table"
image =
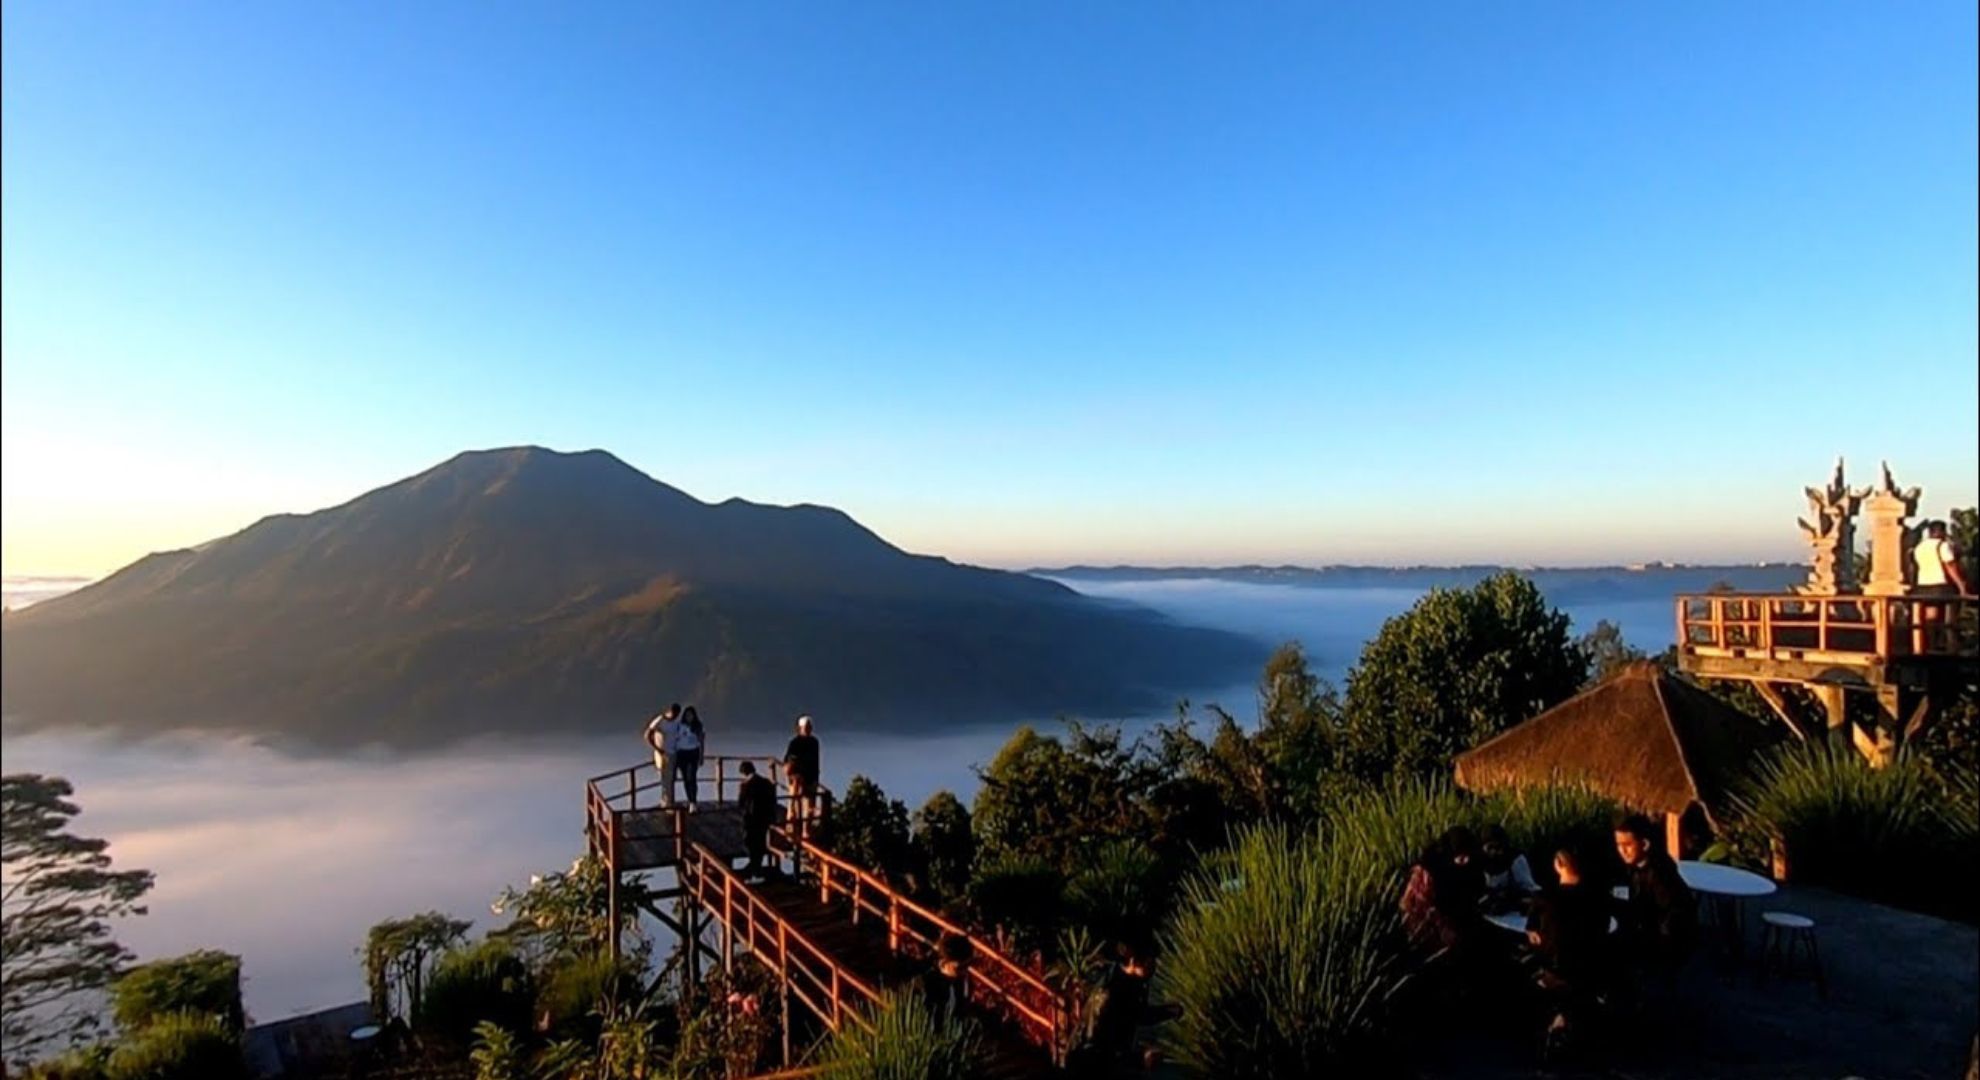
column 1507, row 875
column 1440, row 900
column 1660, row 918
column 1569, row 931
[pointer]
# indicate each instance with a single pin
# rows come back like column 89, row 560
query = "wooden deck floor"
column 647, row 840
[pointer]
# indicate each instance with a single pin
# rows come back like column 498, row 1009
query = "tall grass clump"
column 183, row 1046
column 472, row 983
column 1395, row 824
column 1541, row 820
column 1286, row 968
column 906, row 1041
column 1896, row 835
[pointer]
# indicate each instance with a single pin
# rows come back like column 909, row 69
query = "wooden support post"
column 784, row 986
column 1778, row 702
column 1674, row 835
column 728, row 926
column 612, row 883
column 1833, row 699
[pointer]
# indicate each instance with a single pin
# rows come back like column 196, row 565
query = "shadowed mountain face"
column 524, row 590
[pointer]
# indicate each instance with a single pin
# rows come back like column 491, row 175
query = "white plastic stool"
column 1782, row 934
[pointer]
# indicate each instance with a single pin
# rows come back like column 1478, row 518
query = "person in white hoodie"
column 659, row 736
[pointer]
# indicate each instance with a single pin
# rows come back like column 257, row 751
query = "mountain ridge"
column 501, row 587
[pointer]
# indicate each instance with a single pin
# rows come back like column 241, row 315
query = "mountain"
column 525, row 590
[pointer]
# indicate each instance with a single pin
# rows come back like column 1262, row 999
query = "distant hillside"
column 528, row 590
column 1563, row 585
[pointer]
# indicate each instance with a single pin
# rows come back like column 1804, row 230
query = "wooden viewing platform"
column 1906, row 650
column 835, row 935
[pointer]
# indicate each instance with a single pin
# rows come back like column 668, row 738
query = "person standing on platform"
column 1938, row 573
column 757, row 798
column 686, row 750
column 801, row 769
column 656, row 737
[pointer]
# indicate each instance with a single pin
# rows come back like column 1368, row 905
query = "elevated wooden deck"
column 1869, row 641
column 1910, row 651
column 837, row 936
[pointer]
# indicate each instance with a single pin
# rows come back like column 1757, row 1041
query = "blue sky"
column 1011, row 282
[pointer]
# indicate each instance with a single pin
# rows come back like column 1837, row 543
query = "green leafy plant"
column 207, row 982
column 1023, row 896
column 183, row 1046
column 399, row 954
column 1887, row 834
column 1285, row 968
column 58, row 897
column 472, row 985
column 904, row 1040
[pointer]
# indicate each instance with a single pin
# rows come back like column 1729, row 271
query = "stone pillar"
column 1887, row 507
column 1831, row 537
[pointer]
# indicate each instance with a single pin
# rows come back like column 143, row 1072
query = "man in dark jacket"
column 1660, row 918
column 757, row 798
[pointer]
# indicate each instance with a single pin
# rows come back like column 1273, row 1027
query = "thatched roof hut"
column 1643, row 737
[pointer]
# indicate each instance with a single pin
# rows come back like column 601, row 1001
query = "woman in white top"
column 660, row 734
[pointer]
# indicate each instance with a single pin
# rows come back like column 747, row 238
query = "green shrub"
column 1120, row 893
column 906, row 1042
column 207, row 982
column 82, row 1063
column 1541, row 820
column 472, row 984
column 1286, row 968
column 497, row 1054
column 181, row 1046
column 1892, row 835
column 575, row 993
column 1022, row 894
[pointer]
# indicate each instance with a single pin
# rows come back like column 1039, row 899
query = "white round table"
column 1720, row 880
column 1727, row 886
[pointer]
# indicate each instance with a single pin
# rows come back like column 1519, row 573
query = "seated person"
column 1116, row 1010
column 1507, row 875
column 1569, row 932
column 1440, row 902
column 1660, row 918
column 945, row 986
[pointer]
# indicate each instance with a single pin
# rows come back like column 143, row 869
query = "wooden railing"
column 1846, row 629
column 609, row 795
column 832, row 992
column 992, row 979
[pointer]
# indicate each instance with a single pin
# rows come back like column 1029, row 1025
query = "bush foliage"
column 1888, row 834
column 906, row 1041
column 207, row 982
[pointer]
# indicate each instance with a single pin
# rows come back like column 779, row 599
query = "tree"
column 870, row 829
column 1299, row 725
column 206, row 983
column 1460, row 666
column 944, row 847
column 1607, row 652
column 398, row 956
column 1048, row 798
column 58, row 895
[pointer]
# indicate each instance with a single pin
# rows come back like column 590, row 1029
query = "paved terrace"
column 1904, row 998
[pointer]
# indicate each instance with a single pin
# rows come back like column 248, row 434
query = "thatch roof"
column 1643, row 737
